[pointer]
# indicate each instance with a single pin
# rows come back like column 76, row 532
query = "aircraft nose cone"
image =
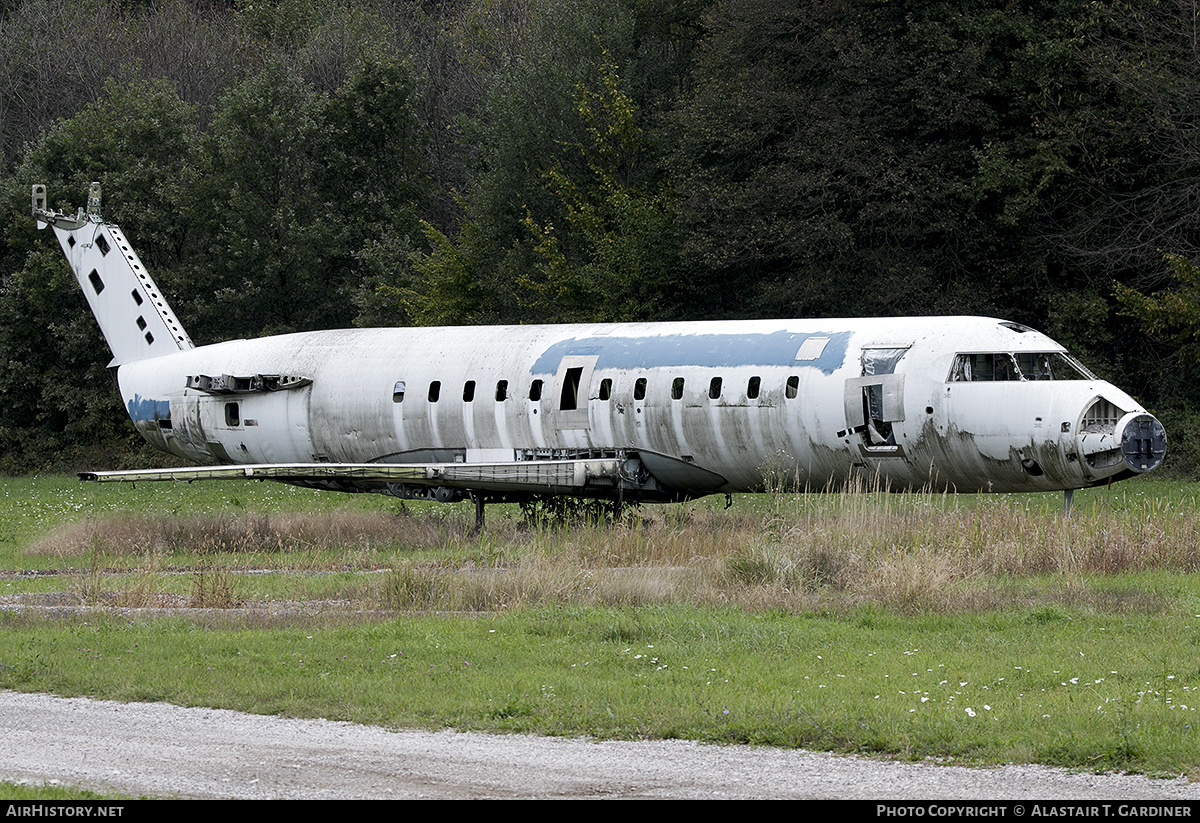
column 1143, row 442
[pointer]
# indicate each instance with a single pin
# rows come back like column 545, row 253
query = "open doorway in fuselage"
column 874, row 401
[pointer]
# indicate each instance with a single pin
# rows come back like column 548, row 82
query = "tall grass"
column 247, row 533
column 909, row 553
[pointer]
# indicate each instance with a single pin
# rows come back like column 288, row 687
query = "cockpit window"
column 1051, row 366
column 973, row 368
column 990, row 367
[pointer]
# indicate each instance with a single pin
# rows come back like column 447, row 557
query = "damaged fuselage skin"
column 630, row 411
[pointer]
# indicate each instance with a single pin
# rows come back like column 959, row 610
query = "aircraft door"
column 570, row 402
column 874, row 406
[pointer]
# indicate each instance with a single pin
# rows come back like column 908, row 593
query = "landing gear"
column 1068, row 495
column 479, row 504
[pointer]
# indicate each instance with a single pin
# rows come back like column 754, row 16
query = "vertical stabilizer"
column 132, row 313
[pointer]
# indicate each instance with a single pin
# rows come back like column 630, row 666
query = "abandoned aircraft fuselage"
column 632, row 411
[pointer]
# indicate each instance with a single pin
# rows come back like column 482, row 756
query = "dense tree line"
column 298, row 164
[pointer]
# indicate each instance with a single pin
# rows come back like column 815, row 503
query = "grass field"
column 965, row 629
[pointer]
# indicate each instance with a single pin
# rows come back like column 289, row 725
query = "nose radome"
column 1143, row 441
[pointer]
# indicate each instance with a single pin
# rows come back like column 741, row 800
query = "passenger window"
column 677, row 388
column 793, row 387
column 233, row 414
column 535, row 390
column 752, row 387
column 435, row 391
column 469, row 391
column 639, row 389
column 501, row 391
column 605, row 388
column 398, row 392
column 714, row 388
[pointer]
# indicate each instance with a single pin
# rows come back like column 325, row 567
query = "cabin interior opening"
column 878, row 431
column 570, row 389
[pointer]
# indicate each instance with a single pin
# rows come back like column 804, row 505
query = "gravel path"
column 163, row 750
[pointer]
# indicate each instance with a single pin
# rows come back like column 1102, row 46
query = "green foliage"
column 285, row 23
column 1172, row 313
column 829, row 157
column 136, row 139
column 293, row 185
column 614, row 258
column 267, row 243
column 537, row 212
column 253, row 227
column 449, row 293
column 1170, row 360
column 1131, row 195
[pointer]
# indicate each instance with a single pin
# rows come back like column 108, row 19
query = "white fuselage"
column 649, row 411
column 710, row 407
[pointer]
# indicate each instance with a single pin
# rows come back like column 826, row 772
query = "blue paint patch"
column 703, row 350
column 141, row 408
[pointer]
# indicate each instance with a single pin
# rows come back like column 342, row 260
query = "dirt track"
column 162, row 750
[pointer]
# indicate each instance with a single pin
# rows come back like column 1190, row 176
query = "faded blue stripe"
column 702, row 350
column 141, row 408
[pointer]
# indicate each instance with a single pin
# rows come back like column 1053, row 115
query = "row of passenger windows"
column 570, row 392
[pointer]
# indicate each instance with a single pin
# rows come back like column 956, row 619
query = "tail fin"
column 132, row 313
